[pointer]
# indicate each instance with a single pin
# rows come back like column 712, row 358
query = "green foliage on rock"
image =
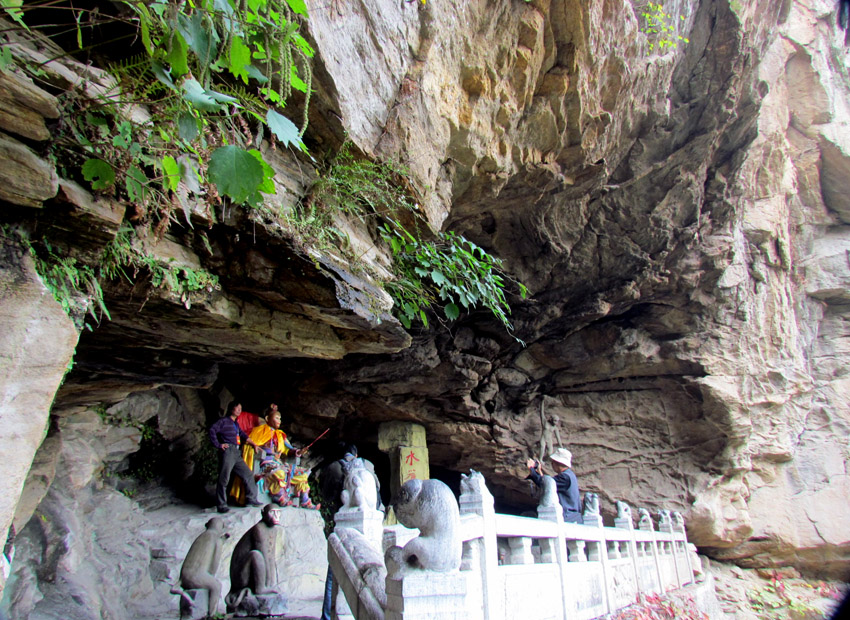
column 451, row 272
column 439, row 276
column 179, row 131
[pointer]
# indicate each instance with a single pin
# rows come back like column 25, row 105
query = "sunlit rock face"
column 677, row 214
column 680, row 220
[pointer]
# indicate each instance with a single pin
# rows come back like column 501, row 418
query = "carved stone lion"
column 430, row 506
column 473, row 484
column 624, row 511
column 664, row 519
column 644, row 519
column 678, row 520
column 549, row 494
column 591, row 505
column 360, row 490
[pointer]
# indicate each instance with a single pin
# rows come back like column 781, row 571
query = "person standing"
column 226, row 437
column 565, row 483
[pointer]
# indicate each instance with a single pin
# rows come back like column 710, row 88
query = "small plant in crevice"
column 74, row 285
column 661, row 28
column 148, row 463
column 357, row 187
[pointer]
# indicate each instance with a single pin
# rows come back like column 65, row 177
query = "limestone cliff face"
column 680, row 220
column 677, row 214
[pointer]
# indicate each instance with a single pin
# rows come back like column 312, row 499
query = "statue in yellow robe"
column 273, row 442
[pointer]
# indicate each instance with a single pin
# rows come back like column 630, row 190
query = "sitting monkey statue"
column 430, row 506
column 201, row 565
column 252, row 566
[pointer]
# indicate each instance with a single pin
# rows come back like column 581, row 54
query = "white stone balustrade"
column 549, row 570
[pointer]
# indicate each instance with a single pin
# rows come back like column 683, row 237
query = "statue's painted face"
column 274, row 420
column 274, row 516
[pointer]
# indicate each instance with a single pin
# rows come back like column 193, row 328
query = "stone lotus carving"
column 430, row 506
column 590, row 505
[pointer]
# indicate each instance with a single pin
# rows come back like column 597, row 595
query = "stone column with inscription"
column 408, row 450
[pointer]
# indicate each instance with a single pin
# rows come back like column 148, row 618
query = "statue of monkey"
column 201, row 565
column 252, row 566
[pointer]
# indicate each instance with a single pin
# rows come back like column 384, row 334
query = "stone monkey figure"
column 252, row 566
column 644, row 520
column 201, row 565
column 430, row 506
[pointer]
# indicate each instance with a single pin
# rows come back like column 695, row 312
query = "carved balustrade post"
column 476, row 499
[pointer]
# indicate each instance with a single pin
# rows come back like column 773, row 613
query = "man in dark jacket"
column 226, row 436
column 565, row 483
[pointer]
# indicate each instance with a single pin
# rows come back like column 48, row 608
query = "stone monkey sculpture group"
column 252, row 565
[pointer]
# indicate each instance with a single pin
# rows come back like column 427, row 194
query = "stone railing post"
column 476, row 499
column 369, row 522
column 647, row 525
column 683, row 557
column 549, row 510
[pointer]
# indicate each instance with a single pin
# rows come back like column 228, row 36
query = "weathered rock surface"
column 678, row 216
column 37, row 341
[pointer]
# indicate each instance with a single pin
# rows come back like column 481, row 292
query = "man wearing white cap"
column 565, row 482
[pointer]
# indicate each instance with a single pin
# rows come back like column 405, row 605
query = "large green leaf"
column 199, row 98
column 235, row 171
column 284, row 129
column 163, row 74
column 298, row 6
column 240, row 58
column 200, row 35
column 178, row 55
column 267, row 184
column 137, row 184
column 187, row 127
column 99, row 173
column 13, row 9
column 305, row 47
column 297, row 82
column 171, row 173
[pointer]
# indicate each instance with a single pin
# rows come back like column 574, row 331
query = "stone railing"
column 525, row 567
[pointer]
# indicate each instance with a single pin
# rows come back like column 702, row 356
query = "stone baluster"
column 548, row 552
column 577, row 550
column 520, row 550
column 549, row 509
